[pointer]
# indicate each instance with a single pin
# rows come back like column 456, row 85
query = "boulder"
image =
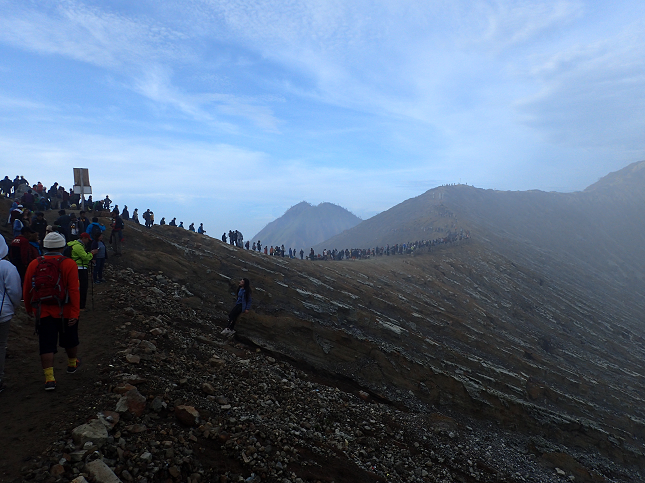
column 94, row 432
column 187, row 415
column 101, row 472
column 132, row 401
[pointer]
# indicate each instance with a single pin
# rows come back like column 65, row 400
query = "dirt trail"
column 30, row 418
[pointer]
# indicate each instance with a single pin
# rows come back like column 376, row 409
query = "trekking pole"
column 92, row 282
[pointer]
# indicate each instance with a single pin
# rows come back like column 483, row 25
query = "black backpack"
column 68, row 251
column 96, row 231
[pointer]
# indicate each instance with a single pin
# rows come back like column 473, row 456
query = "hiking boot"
column 72, row 370
column 50, row 385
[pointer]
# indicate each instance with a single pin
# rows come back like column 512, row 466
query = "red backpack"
column 48, row 285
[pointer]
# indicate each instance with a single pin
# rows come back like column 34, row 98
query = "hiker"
column 83, row 259
column 181, row 224
column 125, row 214
column 173, row 222
column 39, row 225
column 5, row 187
column 259, row 246
column 11, row 293
column 55, row 322
column 73, row 228
column 224, row 237
column 201, row 230
column 135, row 216
column 82, row 222
column 116, row 237
column 242, row 305
column 62, row 222
column 23, row 249
column 99, row 258
column 95, row 228
column 16, row 224
column 163, row 220
column 302, row 253
column 28, row 200
column 191, row 227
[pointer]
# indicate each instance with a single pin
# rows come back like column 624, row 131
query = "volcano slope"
column 470, row 367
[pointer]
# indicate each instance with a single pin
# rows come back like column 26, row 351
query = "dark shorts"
column 53, row 330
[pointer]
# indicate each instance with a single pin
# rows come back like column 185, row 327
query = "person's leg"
column 4, row 335
column 98, row 269
column 47, row 339
column 83, row 285
column 232, row 317
column 69, row 342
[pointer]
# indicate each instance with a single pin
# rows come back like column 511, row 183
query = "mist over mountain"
column 599, row 231
column 305, row 225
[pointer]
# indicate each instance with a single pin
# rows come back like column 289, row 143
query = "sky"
column 229, row 112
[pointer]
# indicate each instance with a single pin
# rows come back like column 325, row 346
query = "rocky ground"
column 175, row 401
column 162, row 396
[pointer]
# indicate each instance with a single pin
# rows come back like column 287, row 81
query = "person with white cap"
column 55, row 304
column 11, row 294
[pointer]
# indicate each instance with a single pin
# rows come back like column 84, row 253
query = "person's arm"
column 12, row 284
column 26, row 287
column 246, row 305
column 79, row 253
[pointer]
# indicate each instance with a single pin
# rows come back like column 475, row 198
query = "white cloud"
column 87, row 34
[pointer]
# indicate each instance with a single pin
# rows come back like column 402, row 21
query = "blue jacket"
column 91, row 225
column 241, row 300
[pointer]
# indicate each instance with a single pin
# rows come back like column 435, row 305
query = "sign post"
column 82, row 184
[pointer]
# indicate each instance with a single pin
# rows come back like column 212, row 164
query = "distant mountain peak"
column 304, row 225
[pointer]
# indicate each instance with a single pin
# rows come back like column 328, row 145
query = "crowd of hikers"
column 48, row 265
column 38, row 198
column 47, row 259
column 235, row 238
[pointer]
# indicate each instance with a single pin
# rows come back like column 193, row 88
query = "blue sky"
column 230, row 112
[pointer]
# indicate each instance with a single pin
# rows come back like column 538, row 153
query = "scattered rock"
column 101, row 472
column 94, row 432
column 132, row 401
column 187, row 415
column 208, row 388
